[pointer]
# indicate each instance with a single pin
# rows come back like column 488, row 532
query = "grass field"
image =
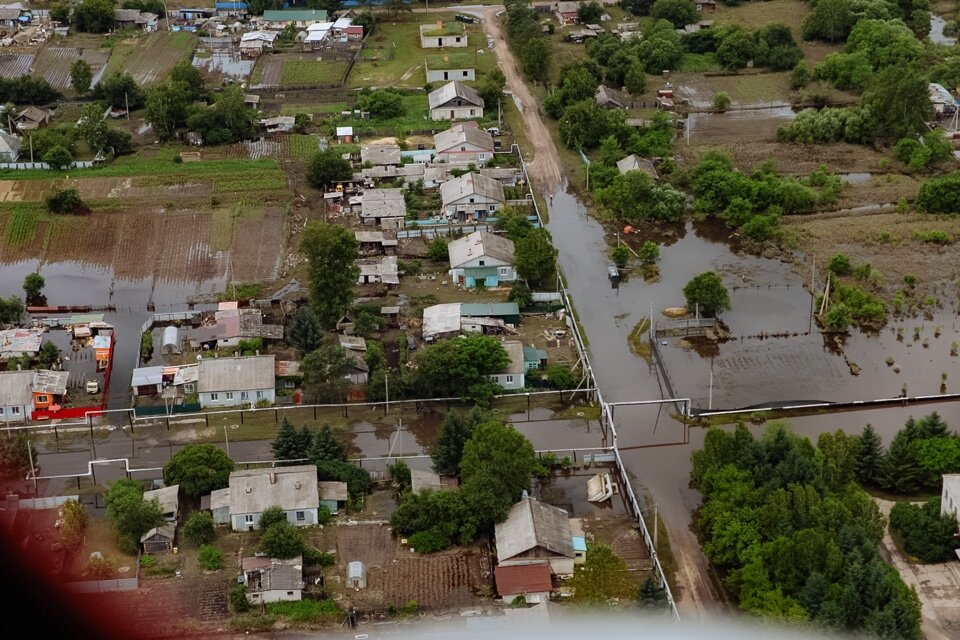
column 401, row 59
column 326, row 108
column 415, row 116
column 149, row 59
column 309, row 71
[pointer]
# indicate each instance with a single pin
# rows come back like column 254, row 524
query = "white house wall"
column 456, row 113
column 446, row 75
column 235, row 398
column 240, row 522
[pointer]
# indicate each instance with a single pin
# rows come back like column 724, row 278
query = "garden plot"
column 298, row 70
column 14, row 65
column 150, row 59
column 53, row 65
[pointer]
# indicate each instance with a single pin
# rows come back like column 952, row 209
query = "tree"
column 382, row 105
column 737, row 49
column 603, row 577
column 238, row 596
column 198, row 469
column 282, row 540
column 497, row 464
column 869, row 456
column 521, row 294
column 637, row 7
column 829, row 21
column 64, row 200
column 167, row 108
column 131, row 515
column 100, row 568
column 490, row 88
column 331, row 251
column 635, row 82
column 48, row 356
column 649, row 252
column 359, row 482
column 324, row 369
column 327, row 167
column 925, row 533
column 73, row 525
column 11, row 311
column 271, row 516
column 306, row 334
column 394, row 7
column 60, row 12
column 706, row 292
column 438, row 251
column 325, row 446
column 590, row 12
column 80, row 76
column 227, row 120
column 457, row 367
column 840, row 265
column 560, row 377
column 210, row 558
column 536, row 257
column 58, row 158
column 455, row 429
column 33, row 284
column 535, row 58
column 634, row 197
column 677, row 12
column 721, row 101
column 120, row 90
column 94, row 16
column 514, row 224
column 892, row 100
column 191, row 78
column 199, row 529
column 651, row 594
column 620, row 255
column 92, row 127
column 289, row 443
column 400, row 475
column 15, row 455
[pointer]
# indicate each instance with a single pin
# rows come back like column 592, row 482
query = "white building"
column 272, row 580
column 463, row 144
column 950, row 496
column 439, row 34
column 536, row 532
column 293, row 489
column 471, row 197
column 513, row 376
column 235, row 381
column 16, row 396
column 377, row 206
column 9, row 147
column 455, row 101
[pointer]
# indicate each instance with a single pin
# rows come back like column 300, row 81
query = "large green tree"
column 198, row 469
column 830, row 21
column 306, row 334
column 677, row 12
column 326, row 447
column 228, row 120
column 199, row 528
column 603, row 577
column 331, row 251
column 324, row 371
column 131, row 515
column 925, row 533
column 869, row 456
column 167, row 108
column 92, row 127
column 291, row 444
column 455, row 429
column 33, row 284
column 536, row 257
column 120, row 90
column 535, row 57
column 497, row 465
column 706, row 292
column 898, row 102
column 94, row 16
column 81, row 75
column 327, row 167
column 15, row 452
column 457, row 368
column 282, row 540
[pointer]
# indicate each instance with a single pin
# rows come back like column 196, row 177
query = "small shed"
column 171, row 340
column 218, row 502
column 159, row 539
column 357, row 575
column 392, row 314
column 345, row 135
column 534, row 359
column 333, row 495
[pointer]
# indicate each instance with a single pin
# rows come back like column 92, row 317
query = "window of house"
column 509, row 378
column 229, row 395
column 471, row 200
column 43, row 399
column 289, row 593
column 214, row 396
column 504, row 271
column 300, row 516
column 457, row 39
column 493, row 207
column 189, row 387
column 1, row 411
column 465, row 74
column 462, row 148
column 260, row 394
column 472, row 111
column 287, row 384
column 15, row 410
column 248, row 518
column 482, row 263
column 243, row 395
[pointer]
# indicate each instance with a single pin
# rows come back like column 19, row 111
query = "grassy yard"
column 326, row 108
column 754, row 15
column 309, row 71
column 415, row 116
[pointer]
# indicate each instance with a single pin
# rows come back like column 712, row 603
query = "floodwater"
column 937, row 25
column 855, row 178
column 738, row 124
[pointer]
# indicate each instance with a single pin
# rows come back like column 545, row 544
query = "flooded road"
column 937, row 25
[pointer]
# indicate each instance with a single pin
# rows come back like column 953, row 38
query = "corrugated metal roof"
column 489, row 309
column 532, row 524
column 531, row 354
column 290, row 488
column 380, row 154
column 301, row 15
column 451, row 90
column 478, row 244
column 471, row 184
column 165, row 531
column 236, row 374
column 167, row 497
column 144, row 376
column 441, row 318
column 522, row 579
column 514, row 349
column 52, row 382
column 16, row 388
column 382, row 203
column 458, row 135
column 329, row 490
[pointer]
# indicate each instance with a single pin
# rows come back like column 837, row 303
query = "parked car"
column 92, row 386
column 464, row 19
column 494, row 131
column 613, row 273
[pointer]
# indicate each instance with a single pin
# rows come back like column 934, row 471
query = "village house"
column 950, row 496
column 513, row 376
column 464, row 143
column 169, row 499
column 535, row 532
column 160, row 539
column 32, row 118
column 455, row 101
column 534, row 359
column 481, row 256
column 171, row 382
column 567, row 12
column 446, row 67
column 706, row 5
column 278, row 124
column 506, row 312
column 471, row 197
column 238, row 8
column 315, row 35
column 287, row 376
column 633, row 162
column 380, row 154
column 49, row 389
column 231, row 325
column 134, row 18
column 217, row 502
column 235, row 381
column 9, row 147
column 377, row 206
column 253, row 43
column 379, row 270
column 301, row 18
column 19, row 342
column 531, row 581
column 440, row 34
column 16, row 396
column 372, row 176
column 376, row 242
column 509, row 176
column 607, row 98
column 292, row 489
column 333, row 495
column 344, row 135
column 271, row 579
column 453, row 318
column 13, row 17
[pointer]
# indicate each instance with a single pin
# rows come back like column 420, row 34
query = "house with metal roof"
column 464, row 143
column 455, row 101
column 19, row 342
column 159, row 539
column 235, row 381
column 31, row 118
column 535, row 532
column 272, row 579
column 333, row 495
column 379, row 270
column 440, row 34
column 379, row 205
column 567, row 12
column 509, row 312
column 169, row 499
column 513, row 376
column 16, row 396
column 481, row 256
column 376, row 242
column 380, row 154
column 534, row 359
column 136, row 18
column 293, row 489
column 49, row 388
column 532, row 581
column 301, row 18
column 430, row 480
column 633, row 162
column 471, row 197
column 372, row 176
column 607, row 98
column 9, row 147
column 218, row 503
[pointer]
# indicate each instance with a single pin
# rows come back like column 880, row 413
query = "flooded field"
column 761, row 123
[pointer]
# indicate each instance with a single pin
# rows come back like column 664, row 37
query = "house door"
column 439, row 42
column 452, row 116
column 446, row 75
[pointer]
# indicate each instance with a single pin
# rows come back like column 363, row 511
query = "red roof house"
column 532, row 581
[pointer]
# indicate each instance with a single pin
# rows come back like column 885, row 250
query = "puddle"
column 227, row 62
column 855, row 178
column 937, row 25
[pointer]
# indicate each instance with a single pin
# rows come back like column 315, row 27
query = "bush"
column 560, row 377
column 649, row 252
column 427, row 542
column 840, row 265
column 620, row 255
column 437, row 251
column 924, row 532
column 64, row 201
column 313, row 557
column 934, row 236
column 210, row 557
column 238, row 599
column 323, row 515
column 199, row 529
column 147, row 561
column 940, row 195
column 706, row 292
column 306, row 610
column 270, row 517
column 721, row 101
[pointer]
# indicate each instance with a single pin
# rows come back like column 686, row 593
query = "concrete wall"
column 239, row 520
column 456, row 113
column 516, row 382
column 275, row 596
column 436, row 42
column 446, row 75
column 15, row 413
column 235, row 398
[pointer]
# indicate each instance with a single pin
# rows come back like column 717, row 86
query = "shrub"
column 437, row 251
column 147, row 561
column 840, row 265
column 924, row 532
column 560, row 377
column 323, row 515
column 934, row 236
column 313, row 557
column 270, row 517
column 721, row 101
column 238, row 599
column 940, row 195
column 620, row 255
column 210, row 557
column 199, row 528
column 427, row 541
column 649, row 252
column 65, row 200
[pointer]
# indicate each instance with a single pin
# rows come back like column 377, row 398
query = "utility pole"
column 33, row 470
column 656, row 525
column 126, row 101
column 710, row 399
column 31, row 148
column 386, row 385
column 226, row 440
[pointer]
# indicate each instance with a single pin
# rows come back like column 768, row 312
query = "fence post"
column 314, row 413
column 206, row 417
column 276, row 415
column 241, row 416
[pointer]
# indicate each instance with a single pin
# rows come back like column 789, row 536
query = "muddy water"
column 937, row 25
column 753, row 124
